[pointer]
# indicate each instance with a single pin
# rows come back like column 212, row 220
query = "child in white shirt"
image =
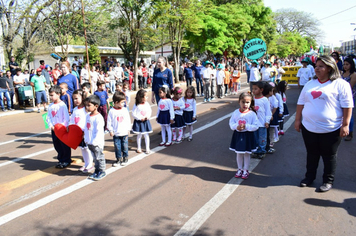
column 58, row 114
column 94, row 136
column 119, row 126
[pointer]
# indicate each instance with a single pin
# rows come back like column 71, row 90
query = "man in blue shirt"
column 196, row 70
column 188, row 74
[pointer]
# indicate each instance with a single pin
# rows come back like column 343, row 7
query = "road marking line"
column 29, row 178
column 26, row 157
column 204, row 213
column 19, row 139
column 33, row 206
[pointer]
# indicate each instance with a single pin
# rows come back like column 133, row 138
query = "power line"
column 337, row 13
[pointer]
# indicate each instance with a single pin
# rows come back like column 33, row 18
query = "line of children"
column 180, row 111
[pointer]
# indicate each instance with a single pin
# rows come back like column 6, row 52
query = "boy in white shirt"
column 304, row 74
column 119, row 126
column 94, row 136
column 58, row 114
column 220, row 76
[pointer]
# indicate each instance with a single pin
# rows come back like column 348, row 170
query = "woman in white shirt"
column 325, row 104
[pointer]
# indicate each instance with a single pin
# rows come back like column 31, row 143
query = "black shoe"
column 59, row 165
column 261, row 156
column 126, row 159
column 305, row 182
column 325, row 187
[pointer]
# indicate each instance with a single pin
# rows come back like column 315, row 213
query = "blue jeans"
column 145, row 82
column 189, row 81
column 7, row 95
column 121, row 144
column 199, row 82
column 248, row 76
column 261, row 138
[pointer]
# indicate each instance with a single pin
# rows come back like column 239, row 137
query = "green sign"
column 255, row 49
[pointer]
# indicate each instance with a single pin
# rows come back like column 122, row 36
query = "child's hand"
column 243, row 126
column 266, row 125
column 194, row 118
column 280, row 115
column 156, row 119
column 172, row 121
column 111, row 134
column 239, row 128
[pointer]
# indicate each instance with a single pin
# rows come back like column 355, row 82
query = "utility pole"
column 354, row 38
column 86, row 42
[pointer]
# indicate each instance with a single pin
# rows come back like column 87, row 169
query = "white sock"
column 169, row 134
column 139, row 136
column 276, row 133
column 191, row 131
column 163, row 133
column 174, row 133
column 88, row 158
column 239, row 160
column 147, row 142
column 247, row 159
column 180, row 131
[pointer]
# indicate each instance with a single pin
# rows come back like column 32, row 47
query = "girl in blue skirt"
column 244, row 122
column 165, row 115
column 190, row 110
column 179, row 123
column 141, row 113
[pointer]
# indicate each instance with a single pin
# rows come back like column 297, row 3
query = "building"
column 348, row 47
column 79, row 51
column 163, row 50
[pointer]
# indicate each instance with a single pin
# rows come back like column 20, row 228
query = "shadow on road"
column 349, row 204
column 203, row 172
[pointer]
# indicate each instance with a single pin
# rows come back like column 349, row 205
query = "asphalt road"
column 185, row 189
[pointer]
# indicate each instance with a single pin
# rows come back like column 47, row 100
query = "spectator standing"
column 19, row 81
column 13, row 66
column 199, row 82
column 4, row 92
column 10, row 81
column 84, row 74
column 56, row 72
column 38, row 81
column 68, row 78
column 161, row 76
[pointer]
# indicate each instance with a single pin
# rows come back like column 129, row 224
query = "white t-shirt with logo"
column 304, row 74
column 266, row 73
column 323, row 103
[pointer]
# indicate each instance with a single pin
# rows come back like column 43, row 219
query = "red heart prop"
column 54, row 113
column 88, row 125
column 162, row 106
column 76, row 119
column 284, row 99
column 242, row 122
column 256, row 108
column 143, row 113
column 186, row 105
column 316, row 94
column 120, row 119
column 72, row 138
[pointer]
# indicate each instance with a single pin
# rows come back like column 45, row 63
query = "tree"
column 178, row 16
column 291, row 20
column 94, row 54
column 291, row 43
column 21, row 20
column 64, row 17
column 134, row 16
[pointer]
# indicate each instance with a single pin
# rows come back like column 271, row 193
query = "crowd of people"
column 82, row 98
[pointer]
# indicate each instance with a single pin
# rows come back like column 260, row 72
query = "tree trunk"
column 135, row 60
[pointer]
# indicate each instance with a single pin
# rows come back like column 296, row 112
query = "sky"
column 335, row 28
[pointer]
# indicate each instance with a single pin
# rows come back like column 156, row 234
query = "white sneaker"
column 198, row 95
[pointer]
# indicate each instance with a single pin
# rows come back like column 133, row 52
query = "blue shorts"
column 41, row 97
